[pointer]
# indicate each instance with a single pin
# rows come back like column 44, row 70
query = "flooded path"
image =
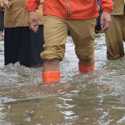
column 93, row 99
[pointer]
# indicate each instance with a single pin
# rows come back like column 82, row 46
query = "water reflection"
column 92, row 104
column 94, row 99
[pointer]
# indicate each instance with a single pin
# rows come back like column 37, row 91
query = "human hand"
column 33, row 21
column 5, row 3
column 105, row 21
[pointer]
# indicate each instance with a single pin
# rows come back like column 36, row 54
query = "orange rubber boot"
column 86, row 68
column 51, row 77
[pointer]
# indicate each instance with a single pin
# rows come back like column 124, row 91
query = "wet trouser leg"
column 114, row 38
column 83, row 35
column 55, row 32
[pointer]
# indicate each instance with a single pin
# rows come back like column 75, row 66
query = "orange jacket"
column 70, row 9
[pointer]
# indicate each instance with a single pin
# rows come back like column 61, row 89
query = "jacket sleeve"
column 31, row 5
column 107, row 5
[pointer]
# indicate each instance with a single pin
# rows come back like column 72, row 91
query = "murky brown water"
column 94, row 99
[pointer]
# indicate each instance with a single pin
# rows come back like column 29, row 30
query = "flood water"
column 94, row 99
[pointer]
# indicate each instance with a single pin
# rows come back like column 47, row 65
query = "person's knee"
column 54, row 52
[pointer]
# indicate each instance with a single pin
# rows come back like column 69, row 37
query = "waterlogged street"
column 93, row 99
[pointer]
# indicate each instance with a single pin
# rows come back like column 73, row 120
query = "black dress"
column 23, row 46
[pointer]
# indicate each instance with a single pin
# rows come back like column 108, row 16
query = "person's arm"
column 5, row 3
column 39, row 12
column 31, row 7
column 107, row 6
